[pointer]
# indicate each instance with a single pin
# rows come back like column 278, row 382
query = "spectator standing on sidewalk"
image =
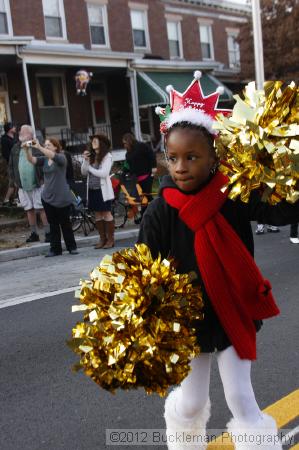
column 96, row 166
column 294, row 233
column 8, row 140
column 29, row 180
column 142, row 164
column 56, row 195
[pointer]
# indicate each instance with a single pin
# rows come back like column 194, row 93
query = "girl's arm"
column 104, row 171
column 85, row 167
column 152, row 232
column 48, row 153
column 281, row 214
column 30, row 158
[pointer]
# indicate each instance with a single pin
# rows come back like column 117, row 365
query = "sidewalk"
column 14, row 231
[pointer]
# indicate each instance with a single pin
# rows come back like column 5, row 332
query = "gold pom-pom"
column 139, row 322
column 259, row 144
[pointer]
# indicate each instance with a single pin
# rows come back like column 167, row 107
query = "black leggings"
column 294, row 230
column 59, row 218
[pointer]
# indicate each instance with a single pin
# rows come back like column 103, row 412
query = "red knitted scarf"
column 235, row 285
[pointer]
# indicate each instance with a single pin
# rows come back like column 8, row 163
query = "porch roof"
column 151, row 86
column 73, row 55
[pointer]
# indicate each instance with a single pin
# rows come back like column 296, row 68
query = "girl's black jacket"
column 164, row 232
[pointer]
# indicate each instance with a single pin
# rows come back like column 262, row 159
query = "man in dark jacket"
column 7, row 142
column 142, row 164
column 28, row 179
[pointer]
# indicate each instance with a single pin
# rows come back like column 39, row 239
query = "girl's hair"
column 104, row 145
column 202, row 131
column 56, row 144
column 129, row 138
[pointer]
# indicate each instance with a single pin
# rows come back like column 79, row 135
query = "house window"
column 5, row 20
column 52, row 101
column 54, row 19
column 174, row 39
column 206, row 41
column 140, row 28
column 98, row 24
column 233, row 50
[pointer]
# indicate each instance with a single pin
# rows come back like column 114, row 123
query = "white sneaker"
column 260, row 229
column 294, row 240
column 272, row 229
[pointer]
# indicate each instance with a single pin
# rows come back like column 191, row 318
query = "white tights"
column 235, row 376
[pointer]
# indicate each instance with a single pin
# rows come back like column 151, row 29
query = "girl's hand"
column 86, row 155
column 35, row 143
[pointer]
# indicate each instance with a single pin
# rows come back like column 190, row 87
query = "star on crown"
column 191, row 106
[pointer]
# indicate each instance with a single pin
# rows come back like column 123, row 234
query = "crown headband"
column 191, row 106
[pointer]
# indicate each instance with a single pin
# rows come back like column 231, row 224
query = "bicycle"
column 81, row 216
column 128, row 207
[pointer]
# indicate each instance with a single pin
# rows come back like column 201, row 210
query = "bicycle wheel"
column 76, row 219
column 92, row 219
column 119, row 212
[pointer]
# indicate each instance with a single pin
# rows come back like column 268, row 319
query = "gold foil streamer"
column 139, row 322
column 258, row 145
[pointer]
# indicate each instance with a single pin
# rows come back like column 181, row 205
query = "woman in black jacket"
column 142, row 164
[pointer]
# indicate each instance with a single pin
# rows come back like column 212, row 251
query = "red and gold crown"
column 192, row 106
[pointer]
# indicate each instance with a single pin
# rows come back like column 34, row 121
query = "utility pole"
column 258, row 43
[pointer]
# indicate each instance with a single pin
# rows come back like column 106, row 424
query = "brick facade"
column 77, row 22
column 119, row 24
column 28, row 20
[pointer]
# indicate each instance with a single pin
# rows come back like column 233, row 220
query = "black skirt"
column 211, row 336
column 96, row 202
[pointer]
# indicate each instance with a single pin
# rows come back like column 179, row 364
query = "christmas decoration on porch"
column 82, row 78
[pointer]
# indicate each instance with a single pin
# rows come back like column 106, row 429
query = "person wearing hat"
column 96, row 166
column 7, row 142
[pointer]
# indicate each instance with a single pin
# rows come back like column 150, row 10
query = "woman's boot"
column 182, row 433
column 259, row 435
column 100, row 224
column 110, row 234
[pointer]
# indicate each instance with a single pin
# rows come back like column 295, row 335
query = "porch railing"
column 76, row 140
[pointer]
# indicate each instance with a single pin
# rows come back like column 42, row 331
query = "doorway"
column 5, row 115
column 100, row 110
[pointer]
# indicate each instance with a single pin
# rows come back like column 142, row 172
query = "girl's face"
column 95, row 144
column 190, row 158
column 50, row 146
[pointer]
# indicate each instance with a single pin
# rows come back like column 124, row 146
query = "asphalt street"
column 44, row 405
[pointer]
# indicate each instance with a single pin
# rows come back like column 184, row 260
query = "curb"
column 42, row 249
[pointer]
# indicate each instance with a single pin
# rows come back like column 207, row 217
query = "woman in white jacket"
column 96, row 166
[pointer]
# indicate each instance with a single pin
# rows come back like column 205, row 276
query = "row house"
column 132, row 48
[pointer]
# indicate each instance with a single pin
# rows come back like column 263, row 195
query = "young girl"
column 194, row 222
column 97, row 165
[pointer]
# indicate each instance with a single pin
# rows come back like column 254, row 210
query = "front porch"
column 37, row 86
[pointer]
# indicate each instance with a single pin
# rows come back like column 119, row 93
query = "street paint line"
column 32, row 297
column 295, row 447
column 284, row 411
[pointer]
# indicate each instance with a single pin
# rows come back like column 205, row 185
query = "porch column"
column 134, row 95
column 28, row 95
